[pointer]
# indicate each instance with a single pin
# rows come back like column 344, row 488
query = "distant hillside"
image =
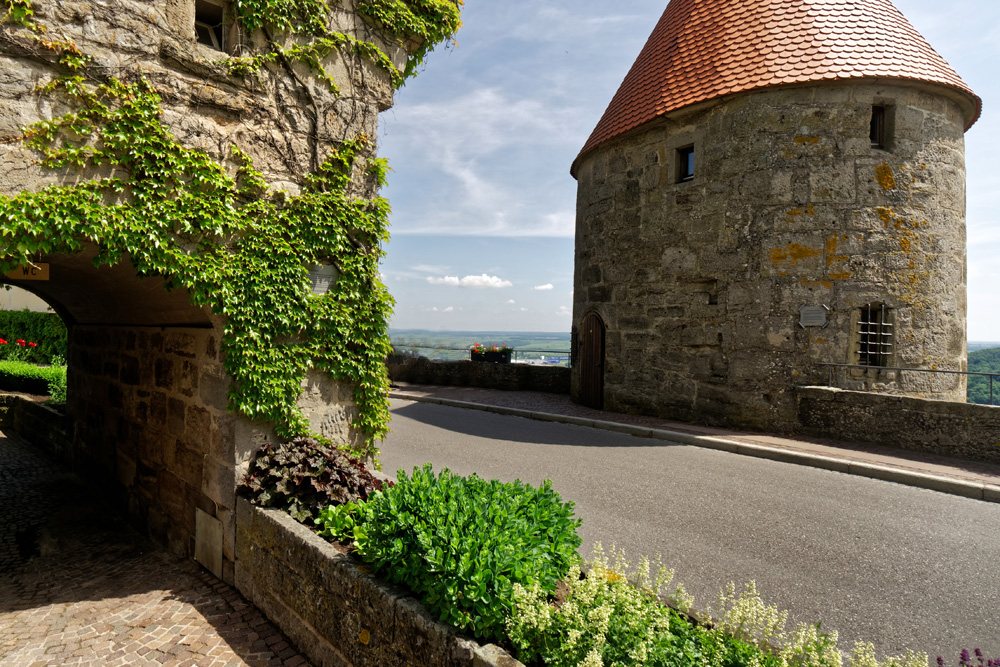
column 529, row 346
column 984, row 361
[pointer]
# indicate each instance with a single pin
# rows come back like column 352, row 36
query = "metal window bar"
column 991, row 376
column 875, row 336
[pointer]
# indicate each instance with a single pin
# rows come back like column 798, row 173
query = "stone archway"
column 147, row 404
column 234, row 175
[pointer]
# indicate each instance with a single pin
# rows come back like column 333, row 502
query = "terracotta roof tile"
column 703, row 49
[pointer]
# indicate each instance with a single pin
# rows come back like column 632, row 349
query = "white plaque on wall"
column 813, row 316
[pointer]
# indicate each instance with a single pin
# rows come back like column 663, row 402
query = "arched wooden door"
column 592, row 361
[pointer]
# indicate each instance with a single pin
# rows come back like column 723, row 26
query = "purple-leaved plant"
column 965, row 659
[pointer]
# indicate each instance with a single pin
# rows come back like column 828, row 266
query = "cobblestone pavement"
column 79, row 587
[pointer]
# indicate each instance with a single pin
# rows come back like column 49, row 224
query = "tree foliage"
column 984, row 361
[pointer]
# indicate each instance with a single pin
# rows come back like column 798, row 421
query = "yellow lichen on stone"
column 806, row 141
column 831, row 254
column 883, row 174
column 885, row 215
column 810, row 284
column 792, row 254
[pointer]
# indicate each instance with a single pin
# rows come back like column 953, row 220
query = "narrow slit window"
column 209, row 23
column 875, row 335
column 878, row 134
column 685, row 164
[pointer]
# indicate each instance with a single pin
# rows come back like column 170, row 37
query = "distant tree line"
column 984, row 361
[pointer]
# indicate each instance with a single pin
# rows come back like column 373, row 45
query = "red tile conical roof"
column 704, row 49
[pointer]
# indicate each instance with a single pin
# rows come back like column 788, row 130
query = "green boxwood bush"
column 461, row 543
column 46, row 330
column 32, row 379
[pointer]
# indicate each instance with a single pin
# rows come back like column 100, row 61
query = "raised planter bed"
column 333, row 609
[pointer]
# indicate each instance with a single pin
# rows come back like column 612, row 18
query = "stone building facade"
column 747, row 212
column 147, row 389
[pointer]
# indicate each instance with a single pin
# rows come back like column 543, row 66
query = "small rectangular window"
column 209, row 23
column 875, row 334
column 878, row 134
column 685, row 164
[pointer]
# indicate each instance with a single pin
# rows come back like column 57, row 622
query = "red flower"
column 21, row 342
column 32, row 344
column 2, row 341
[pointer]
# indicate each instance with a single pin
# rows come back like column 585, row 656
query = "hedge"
column 46, row 330
column 30, row 379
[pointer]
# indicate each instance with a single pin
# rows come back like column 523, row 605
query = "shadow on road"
column 488, row 425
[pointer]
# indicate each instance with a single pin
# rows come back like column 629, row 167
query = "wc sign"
column 30, row 272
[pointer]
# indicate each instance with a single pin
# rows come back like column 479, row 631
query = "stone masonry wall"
column 148, row 405
column 283, row 121
column 334, row 610
column 960, row 430
column 700, row 282
column 148, row 408
column 510, row 377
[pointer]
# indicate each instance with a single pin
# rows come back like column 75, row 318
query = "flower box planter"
column 493, row 357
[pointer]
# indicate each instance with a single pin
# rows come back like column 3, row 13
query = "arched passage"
column 146, row 400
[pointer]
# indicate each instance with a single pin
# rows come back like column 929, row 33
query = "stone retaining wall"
column 510, row 377
column 335, row 612
column 36, row 423
column 960, row 430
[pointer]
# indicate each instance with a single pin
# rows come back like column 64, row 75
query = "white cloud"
column 524, row 310
column 544, row 288
column 511, row 302
column 461, row 148
column 473, row 282
column 427, row 268
column 449, row 309
column 564, row 311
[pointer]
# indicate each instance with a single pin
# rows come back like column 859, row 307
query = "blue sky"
column 482, row 140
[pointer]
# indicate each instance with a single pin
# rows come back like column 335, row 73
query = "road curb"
column 949, row 485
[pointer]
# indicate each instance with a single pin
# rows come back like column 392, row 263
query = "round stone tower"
column 775, row 186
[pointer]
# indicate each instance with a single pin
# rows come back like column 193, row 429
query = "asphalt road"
column 898, row 566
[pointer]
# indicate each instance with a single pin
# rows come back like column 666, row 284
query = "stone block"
column 208, row 542
column 176, row 410
column 198, row 427
column 180, row 343
column 158, row 409
column 218, row 481
column 163, row 373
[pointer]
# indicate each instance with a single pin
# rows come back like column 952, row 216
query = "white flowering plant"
column 605, row 619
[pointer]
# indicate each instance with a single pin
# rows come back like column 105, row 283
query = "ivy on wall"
column 220, row 233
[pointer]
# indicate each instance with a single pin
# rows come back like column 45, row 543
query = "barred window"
column 875, row 334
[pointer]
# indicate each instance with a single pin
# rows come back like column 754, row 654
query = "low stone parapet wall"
column 37, row 423
column 511, row 377
column 334, row 611
column 960, row 430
